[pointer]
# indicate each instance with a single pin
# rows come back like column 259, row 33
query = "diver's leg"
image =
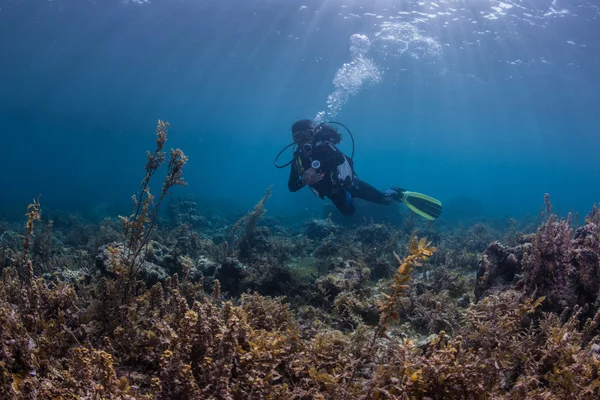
column 344, row 201
column 362, row 190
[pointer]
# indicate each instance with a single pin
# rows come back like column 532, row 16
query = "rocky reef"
column 205, row 307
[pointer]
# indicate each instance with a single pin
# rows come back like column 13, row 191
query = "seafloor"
column 188, row 304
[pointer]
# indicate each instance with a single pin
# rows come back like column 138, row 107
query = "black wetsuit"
column 341, row 192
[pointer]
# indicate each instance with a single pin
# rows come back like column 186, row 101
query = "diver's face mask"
column 303, row 136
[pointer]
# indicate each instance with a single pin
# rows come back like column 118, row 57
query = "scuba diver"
column 320, row 165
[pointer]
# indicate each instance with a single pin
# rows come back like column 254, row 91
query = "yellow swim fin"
column 425, row 206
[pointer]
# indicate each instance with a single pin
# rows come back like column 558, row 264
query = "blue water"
column 481, row 103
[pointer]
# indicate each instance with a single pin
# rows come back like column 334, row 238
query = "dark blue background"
column 507, row 112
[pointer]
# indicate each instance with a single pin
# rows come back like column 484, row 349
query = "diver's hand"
column 311, row 177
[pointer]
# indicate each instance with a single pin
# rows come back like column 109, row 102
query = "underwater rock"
column 284, row 248
column 318, row 229
column 373, row 234
column 206, row 265
column 464, row 301
column 10, row 239
column 429, row 344
column 381, row 268
column 157, row 265
column 219, row 238
column 152, row 273
column 328, row 247
column 430, row 312
column 275, row 225
column 185, row 211
column 194, row 245
column 311, row 320
column 499, row 268
column 230, row 274
column 457, row 282
column 260, row 239
column 257, row 242
column 587, row 262
column 553, row 263
column 174, row 262
column 157, row 253
column 67, row 275
column 562, row 266
column 549, row 266
column 7, row 258
column 71, row 229
column 149, row 272
column 271, row 279
column 347, row 276
column 350, row 310
column 587, row 235
column 456, row 259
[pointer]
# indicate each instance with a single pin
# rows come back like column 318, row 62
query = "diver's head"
column 328, row 133
column 306, row 135
column 303, row 131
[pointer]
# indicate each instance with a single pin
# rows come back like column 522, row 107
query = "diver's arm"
column 295, row 181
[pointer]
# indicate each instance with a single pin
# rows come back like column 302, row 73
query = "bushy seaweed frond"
column 419, row 251
column 109, row 337
column 243, row 230
column 139, row 226
column 33, row 214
